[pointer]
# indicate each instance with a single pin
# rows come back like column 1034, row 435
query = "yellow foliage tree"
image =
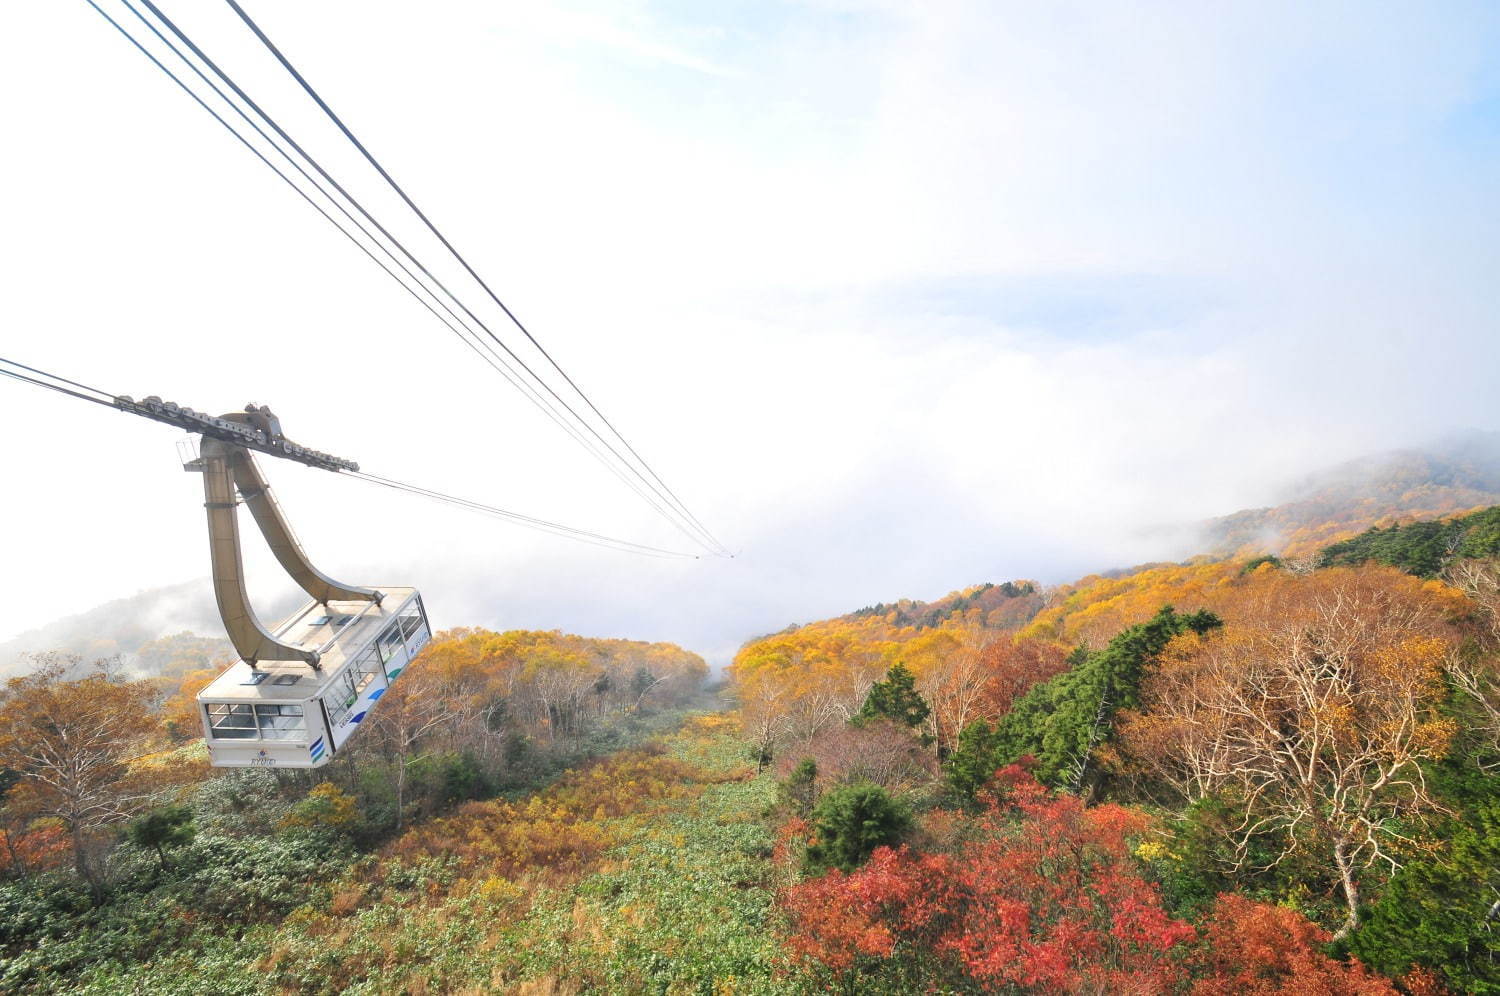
column 326, row 805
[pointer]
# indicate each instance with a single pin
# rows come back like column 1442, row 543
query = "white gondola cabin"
column 287, row 714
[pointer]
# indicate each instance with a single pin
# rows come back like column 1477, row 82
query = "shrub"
column 798, row 792
column 1045, row 898
column 879, row 751
column 161, row 829
column 326, row 807
column 850, row 822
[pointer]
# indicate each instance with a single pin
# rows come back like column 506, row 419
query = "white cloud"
column 897, row 297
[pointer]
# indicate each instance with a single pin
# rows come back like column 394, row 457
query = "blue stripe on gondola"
column 377, row 693
column 358, row 717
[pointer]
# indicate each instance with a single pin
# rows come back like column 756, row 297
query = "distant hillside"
column 1405, row 508
column 997, row 606
column 1461, row 475
column 151, row 631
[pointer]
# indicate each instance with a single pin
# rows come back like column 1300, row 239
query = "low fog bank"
column 121, row 629
column 1453, row 474
column 836, row 557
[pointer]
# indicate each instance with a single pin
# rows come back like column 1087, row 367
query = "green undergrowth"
column 683, row 907
column 678, row 899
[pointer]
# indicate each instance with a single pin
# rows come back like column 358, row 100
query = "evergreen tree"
column 972, row 762
column 1420, row 548
column 1443, row 911
column 895, row 698
column 850, row 822
column 1061, row 721
column 797, row 794
column 170, row 826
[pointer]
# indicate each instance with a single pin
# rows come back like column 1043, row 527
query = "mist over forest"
column 835, row 496
column 1458, row 473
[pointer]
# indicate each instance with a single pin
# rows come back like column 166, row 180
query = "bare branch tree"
column 1316, row 705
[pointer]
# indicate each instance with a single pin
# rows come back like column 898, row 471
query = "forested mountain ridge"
column 1459, row 475
column 995, row 606
column 1153, row 719
column 1422, row 548
column 123, row 627
column 1012, row 788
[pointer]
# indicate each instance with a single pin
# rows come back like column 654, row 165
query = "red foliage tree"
column 1045, row 897
column 1261, row 950
column 896, row 897
column 1012, row 666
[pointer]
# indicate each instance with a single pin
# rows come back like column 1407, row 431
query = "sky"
column 897, row 297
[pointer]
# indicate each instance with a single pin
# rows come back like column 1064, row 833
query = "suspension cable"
column 688, row 524
column 53, row 382
column 581, row 535
column 52, row 387
column 370, row 158
column 461, row 330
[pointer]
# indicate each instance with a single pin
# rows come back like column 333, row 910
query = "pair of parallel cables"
column 427, row 289
column 84, row 392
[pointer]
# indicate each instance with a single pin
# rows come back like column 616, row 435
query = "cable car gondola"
column 298, row 693
column 286, row 714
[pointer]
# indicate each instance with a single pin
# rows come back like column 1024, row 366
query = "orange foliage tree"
column 1313, row 709
column 1091, row 611
column 793, row 685
column 35, row 845
column 71, row 741
column 180, row 713
column 473, row 692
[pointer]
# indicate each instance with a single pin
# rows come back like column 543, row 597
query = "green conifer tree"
column 896, row 697
column 160, row 829
column 1443, row 911
column 972, row 762
column 1061, row 721
column 799, row 792
column 850, row 821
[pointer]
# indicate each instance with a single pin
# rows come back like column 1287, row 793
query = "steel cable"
column 370, row 158
column 517, row 518
column 690, row 523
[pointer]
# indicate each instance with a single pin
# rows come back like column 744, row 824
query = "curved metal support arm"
column 228, row 467
column 252, row 641
column 282, row 541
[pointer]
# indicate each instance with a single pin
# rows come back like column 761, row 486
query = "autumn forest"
column 1251, row 771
